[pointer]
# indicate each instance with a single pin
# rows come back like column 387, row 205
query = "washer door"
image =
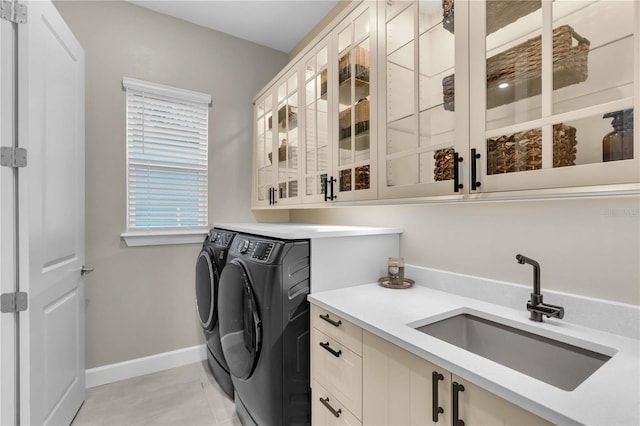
column 240, row 324
column 207, row 278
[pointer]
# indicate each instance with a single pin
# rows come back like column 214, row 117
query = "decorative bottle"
column 618, row 144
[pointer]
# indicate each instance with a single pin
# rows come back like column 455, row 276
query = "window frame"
column 144, row 236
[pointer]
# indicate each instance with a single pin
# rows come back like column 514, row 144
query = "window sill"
column 159, row 238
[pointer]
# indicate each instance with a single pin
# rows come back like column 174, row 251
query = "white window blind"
column 167, row 152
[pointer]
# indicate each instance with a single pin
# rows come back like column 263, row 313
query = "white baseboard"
column 146, row 365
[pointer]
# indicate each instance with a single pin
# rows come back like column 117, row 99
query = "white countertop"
column 610, row 396
column 296, row 231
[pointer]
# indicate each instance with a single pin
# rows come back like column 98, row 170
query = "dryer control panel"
column 257, row 250
column 221, row 238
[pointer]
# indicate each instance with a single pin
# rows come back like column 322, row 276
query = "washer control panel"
column 257, row 250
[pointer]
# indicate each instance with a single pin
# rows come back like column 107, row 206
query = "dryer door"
column 207, row 277
column 240, row 324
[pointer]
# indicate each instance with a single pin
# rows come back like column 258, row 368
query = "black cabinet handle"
column 436, row 409
column 332, row 181
column 324, row 187
column 474, row 179
column 330, row 321
column 457, row 186
column 325, row 402
column 333, row 352
column 456, row 388
column 272, row 196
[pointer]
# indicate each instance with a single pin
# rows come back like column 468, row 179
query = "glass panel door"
column 420, row 66
column 354, row 106
column 317, row 147
column 561, row 83
column 288, row 152
column 264, row 149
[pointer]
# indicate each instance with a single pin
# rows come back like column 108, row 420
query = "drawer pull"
column 455, row 389
column 325, row 402
column 435, row 408
column 333, row 352
column 330, row 321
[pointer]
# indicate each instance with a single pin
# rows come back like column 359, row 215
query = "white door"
column 51, row 217
column 7, row 225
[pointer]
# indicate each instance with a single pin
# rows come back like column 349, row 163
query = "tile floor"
column 187, row 395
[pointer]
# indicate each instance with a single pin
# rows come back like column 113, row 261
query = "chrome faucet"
column 535, row 305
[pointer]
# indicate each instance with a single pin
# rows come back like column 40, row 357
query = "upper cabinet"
column 277, row 150
column 554, row 92
column 423, row 133
column 405, row 99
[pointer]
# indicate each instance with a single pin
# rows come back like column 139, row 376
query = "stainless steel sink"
column 551, row 361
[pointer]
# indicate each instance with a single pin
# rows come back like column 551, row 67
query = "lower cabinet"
column 401, row 388
column 358, row 378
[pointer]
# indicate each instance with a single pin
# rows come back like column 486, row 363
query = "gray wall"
column 141, row 301
column 589, row 247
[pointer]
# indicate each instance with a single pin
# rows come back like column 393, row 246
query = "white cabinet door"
column 317, row 122
column 51, row 218
column 277, row 144
column 421, row 132
column 263, row 151
column 287, row 128
column 398, row 387
column 355, row 104
column 482, row 408
column 551, row 81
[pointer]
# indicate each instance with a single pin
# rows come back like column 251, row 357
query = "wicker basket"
column 362, row 65
column 521, row 67
column 344, row 124
column 500, row 13
column 362, row 119
column 523, row 151
column 362, row 116
column 362, row 181
column 443, row 168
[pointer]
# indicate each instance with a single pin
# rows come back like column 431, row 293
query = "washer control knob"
column 244, row 246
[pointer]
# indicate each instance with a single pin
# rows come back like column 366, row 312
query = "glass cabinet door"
column 422, row 133
column 287, row 133
column 264, row 177
column 317, row 144
column 555, row 97
column 354, row 159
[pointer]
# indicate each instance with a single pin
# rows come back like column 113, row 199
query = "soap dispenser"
column 618, row 144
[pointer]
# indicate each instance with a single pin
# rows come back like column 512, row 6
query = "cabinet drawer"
column 338, row 370
column 321, row 413
column 343, row 331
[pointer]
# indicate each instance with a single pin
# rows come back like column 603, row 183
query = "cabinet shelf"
column 507, row 84
column 344, row 91
column 360, row 141
column 500, row 13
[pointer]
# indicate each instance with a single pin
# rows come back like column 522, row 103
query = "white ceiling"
column 279, row 24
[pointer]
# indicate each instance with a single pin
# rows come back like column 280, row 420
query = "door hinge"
column 13, row 302
column 13, row 157
column 13, row 11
